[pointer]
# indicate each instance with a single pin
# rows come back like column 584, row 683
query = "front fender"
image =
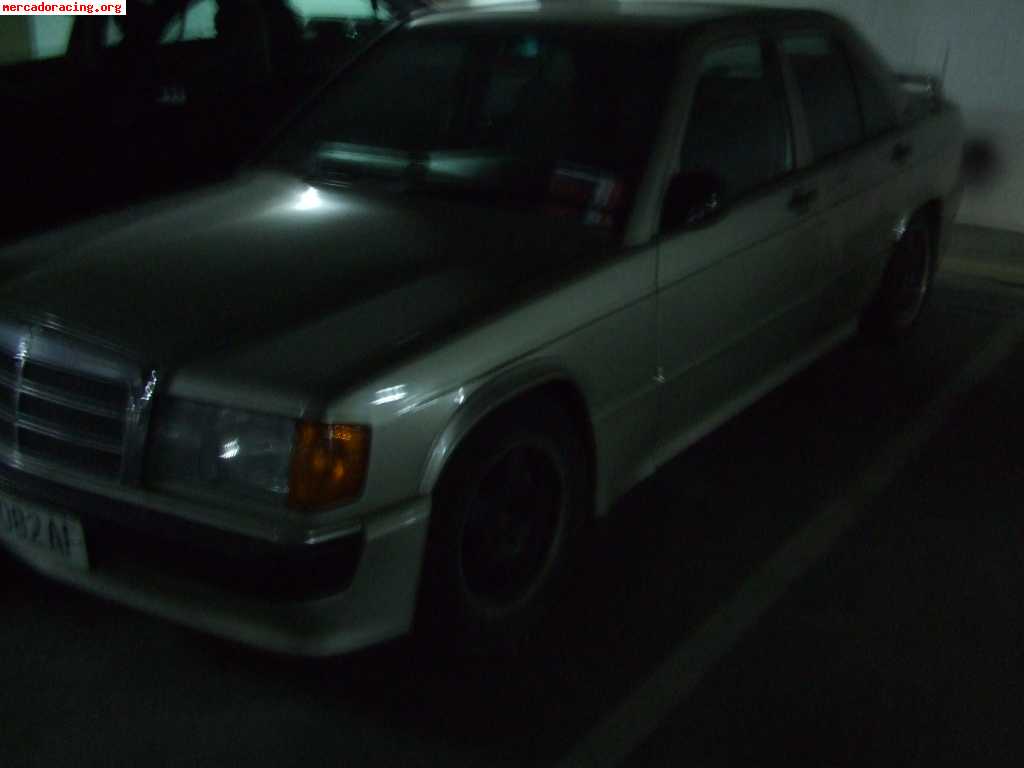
column 483, row 399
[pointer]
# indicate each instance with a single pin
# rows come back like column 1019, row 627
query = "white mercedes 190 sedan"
column 503, row 266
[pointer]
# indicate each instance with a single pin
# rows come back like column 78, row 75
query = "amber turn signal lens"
column 329, row 464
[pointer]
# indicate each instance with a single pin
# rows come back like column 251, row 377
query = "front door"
column 737, row 298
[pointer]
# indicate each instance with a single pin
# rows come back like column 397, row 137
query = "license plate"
column 30, row 528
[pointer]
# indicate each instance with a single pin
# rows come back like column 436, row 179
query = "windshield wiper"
column 344, row 163
column 462, row 170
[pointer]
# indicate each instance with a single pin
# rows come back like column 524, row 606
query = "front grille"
column 63, row 402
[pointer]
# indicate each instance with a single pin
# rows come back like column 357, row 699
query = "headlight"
column 203, row 450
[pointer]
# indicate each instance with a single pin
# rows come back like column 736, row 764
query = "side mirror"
column 693, row 199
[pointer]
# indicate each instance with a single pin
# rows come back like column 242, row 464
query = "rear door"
column 856, row 152
column 736, row 299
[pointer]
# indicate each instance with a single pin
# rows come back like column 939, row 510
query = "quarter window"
column 322, row 10
column 199, row 22
column 739, row 127
column 875, row 101
column 827, row 91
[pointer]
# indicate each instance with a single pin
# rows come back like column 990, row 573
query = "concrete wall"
column 980, row 46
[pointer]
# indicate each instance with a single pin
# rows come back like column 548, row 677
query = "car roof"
column 599, row 12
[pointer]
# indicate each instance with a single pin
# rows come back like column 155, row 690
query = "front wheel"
column 906, row 285
column 505, row 513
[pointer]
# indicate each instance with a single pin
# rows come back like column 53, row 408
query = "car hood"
column 259, row 257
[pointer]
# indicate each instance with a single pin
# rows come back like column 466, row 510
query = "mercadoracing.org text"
column 72, row 9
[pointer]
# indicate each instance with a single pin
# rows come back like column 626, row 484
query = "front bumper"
column 313, row 600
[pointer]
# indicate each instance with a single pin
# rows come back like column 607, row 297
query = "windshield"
column 555, row 120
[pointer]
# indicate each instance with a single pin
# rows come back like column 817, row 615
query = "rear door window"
column 34, row 38
column 827, row 90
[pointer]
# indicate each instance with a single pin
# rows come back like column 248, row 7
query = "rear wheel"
column 504, row 516
column 906, row 285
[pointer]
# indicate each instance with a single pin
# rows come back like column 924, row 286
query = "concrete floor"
column 831, row 579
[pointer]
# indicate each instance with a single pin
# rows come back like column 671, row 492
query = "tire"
column 505, row 515
column 906, row 285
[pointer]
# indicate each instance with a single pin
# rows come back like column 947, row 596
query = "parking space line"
column 643, row 711
column 1004, row 271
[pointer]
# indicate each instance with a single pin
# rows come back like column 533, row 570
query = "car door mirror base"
column 692, row 200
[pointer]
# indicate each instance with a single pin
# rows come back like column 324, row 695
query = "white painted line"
column 1005, row 271
column 640, row 714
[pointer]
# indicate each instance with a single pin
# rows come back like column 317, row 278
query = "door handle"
column 803, row 199
column 901, row 153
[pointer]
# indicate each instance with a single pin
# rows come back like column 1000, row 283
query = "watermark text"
column 62, row 9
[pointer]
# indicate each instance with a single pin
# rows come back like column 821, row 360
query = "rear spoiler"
column 924, row 87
